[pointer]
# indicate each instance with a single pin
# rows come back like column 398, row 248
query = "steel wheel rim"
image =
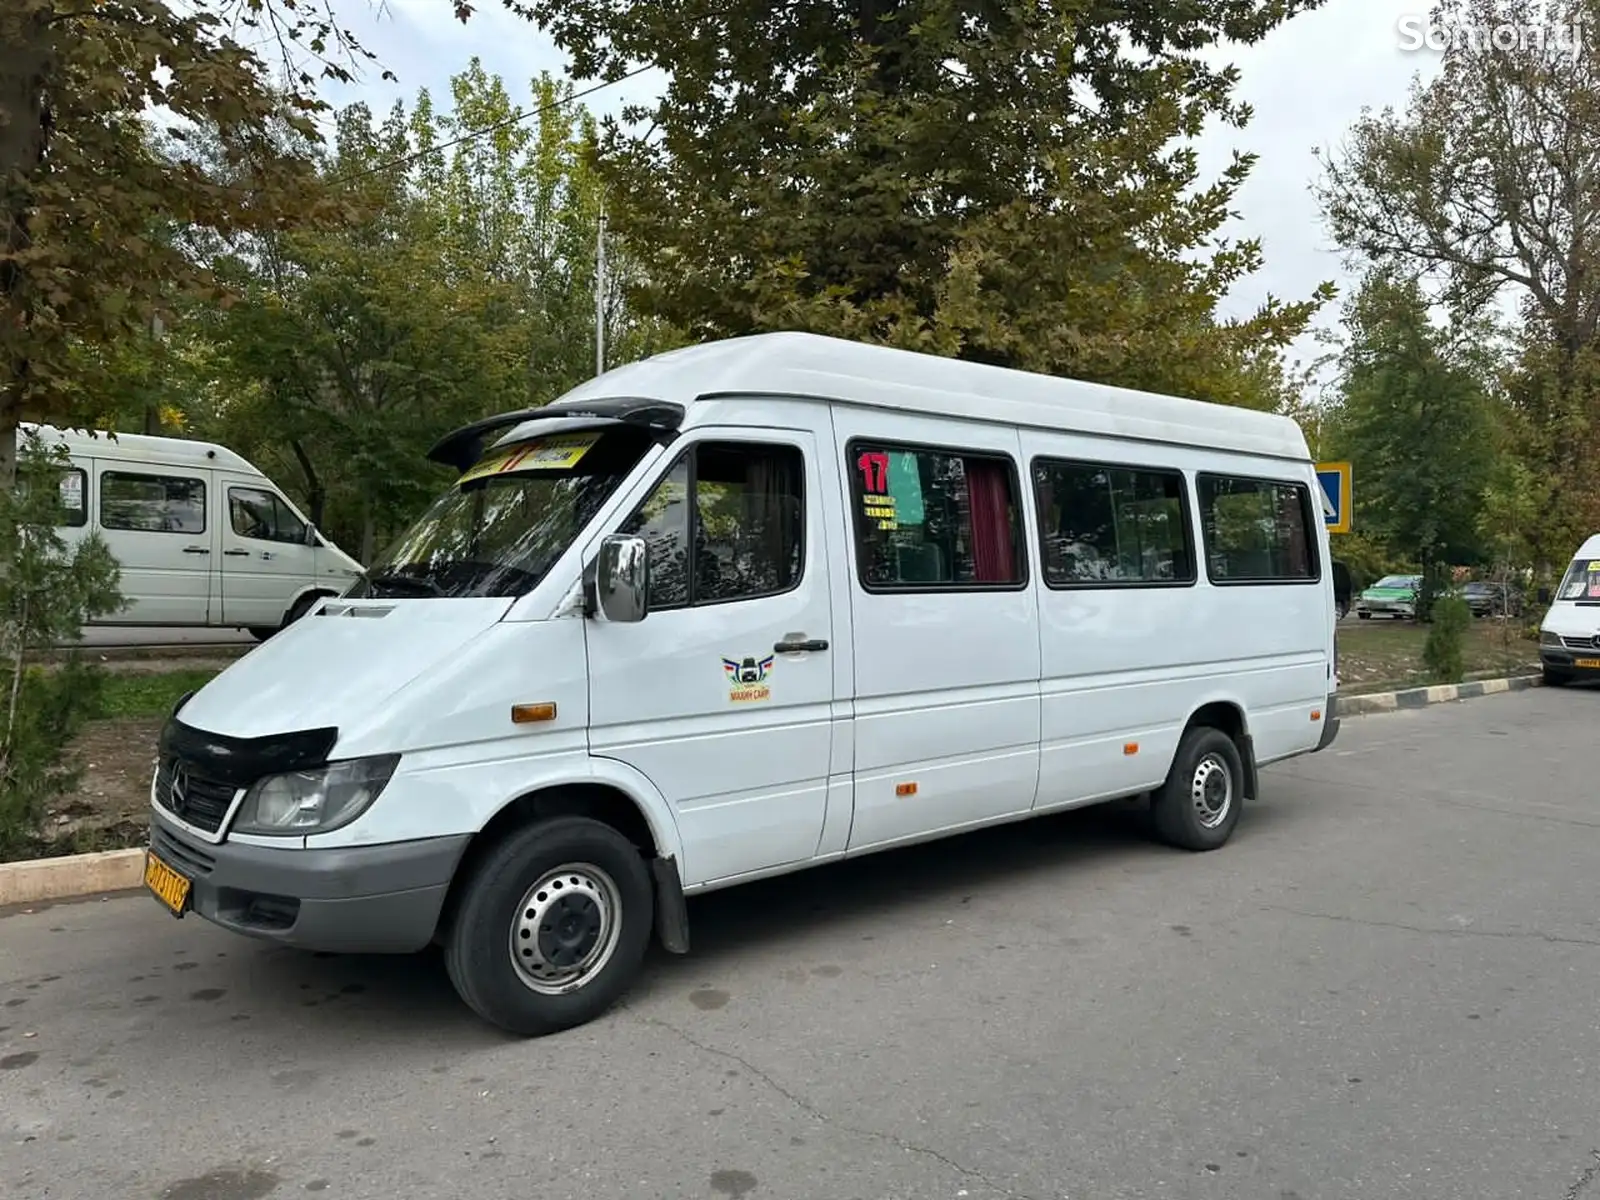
column 566, row 929
column 1211, row 791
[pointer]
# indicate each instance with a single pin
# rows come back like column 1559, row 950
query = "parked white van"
column 1569, row 635
column 201, row 535
column 738, row 610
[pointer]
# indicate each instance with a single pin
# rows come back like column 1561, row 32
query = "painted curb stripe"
column 71, row 876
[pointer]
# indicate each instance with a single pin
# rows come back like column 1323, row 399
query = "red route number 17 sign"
column 877, row 505
column 874, row 468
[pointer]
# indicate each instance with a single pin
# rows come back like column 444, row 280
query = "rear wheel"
column 1198, row 806
column 1365, row 616
column 552, row 926
column 299, row 609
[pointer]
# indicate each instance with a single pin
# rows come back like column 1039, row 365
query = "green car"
column 1393, row 596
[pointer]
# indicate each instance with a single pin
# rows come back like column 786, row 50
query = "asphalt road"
column 1384, row 989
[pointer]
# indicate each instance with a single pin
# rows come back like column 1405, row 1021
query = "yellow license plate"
column 1586, row 662
column 166, row 884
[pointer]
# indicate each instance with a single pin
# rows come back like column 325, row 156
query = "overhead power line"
column 514, row 119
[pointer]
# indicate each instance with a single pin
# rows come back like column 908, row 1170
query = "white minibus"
column 203, row 538
column 738, row 610
column 1569, row 635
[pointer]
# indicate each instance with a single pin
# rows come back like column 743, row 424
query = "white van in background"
column 735, row 611
column 1569, row 635
column 201, row 535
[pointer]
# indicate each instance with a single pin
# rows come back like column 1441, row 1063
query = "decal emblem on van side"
column 747, row 678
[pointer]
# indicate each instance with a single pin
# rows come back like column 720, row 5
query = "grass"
column 149, row 694
column 1383, row 653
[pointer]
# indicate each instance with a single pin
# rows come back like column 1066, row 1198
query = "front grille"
column 196, row 801
column 189, row 859
column 1581, row 643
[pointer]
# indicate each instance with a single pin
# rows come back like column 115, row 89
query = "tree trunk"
column 369, row 533
column 25, row 125
column 316, row 494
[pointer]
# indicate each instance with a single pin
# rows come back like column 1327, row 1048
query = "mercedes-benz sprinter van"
column 735, row 611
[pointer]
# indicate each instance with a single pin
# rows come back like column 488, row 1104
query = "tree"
column 992, row 181
column 1416, row 418
column 1484, row 187
column 87, row 205
column 459, row 284
column 48, row 590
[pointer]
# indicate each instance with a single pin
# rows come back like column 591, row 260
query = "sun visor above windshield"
column 558, row 452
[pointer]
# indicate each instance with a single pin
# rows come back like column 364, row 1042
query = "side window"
column 726, row 523
column 72, row 494
column 152, row 503
column 1256, row 530
column 1109, row 526
column 935, row 519
column 254, row 513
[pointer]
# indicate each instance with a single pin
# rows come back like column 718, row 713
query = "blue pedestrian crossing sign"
column 1334, row 481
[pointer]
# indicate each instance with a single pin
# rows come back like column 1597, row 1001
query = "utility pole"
column 600, row 298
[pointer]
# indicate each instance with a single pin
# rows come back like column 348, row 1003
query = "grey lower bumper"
column 1330, row 723
column 358, row 900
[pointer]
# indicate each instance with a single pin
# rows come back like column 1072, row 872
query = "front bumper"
column 1566, row 662
column 382, row 899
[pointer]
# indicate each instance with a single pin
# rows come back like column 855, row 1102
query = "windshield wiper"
column 415, row 583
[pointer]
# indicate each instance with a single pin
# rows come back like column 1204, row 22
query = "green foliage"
column 1003, row 182
column 1415, row 417
column 1444, row 652
column 148, row 693
column 48, row 590
column 1484, row 185
column 88, row 209
column 461, row 283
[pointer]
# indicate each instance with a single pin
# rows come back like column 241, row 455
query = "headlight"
column 1546, row 638
column 302, row 802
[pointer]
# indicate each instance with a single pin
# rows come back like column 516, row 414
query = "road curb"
column 76, row 875
column 1376, row 702
column 70, row 877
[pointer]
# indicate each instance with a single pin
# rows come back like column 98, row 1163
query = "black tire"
column 297, row 610
column 1556, row 678
column 1365, row 616
column 1179, row 809
column 478, row 954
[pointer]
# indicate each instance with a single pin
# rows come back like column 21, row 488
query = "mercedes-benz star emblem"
column 177, row 792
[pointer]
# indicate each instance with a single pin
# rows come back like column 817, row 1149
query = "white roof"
column 1590, row 548
column 143, row 447
column 807, row 365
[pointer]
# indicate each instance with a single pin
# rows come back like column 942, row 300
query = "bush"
column 47, row 592
column 1444, row 652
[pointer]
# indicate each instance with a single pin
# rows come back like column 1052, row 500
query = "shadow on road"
column 404, row 1005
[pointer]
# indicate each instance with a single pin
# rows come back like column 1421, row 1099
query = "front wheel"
column 1198, row 806
column 1365, row 616
column 552, row 926
column 1555, row 678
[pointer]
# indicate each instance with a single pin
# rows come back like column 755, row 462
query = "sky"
column 1307, row 81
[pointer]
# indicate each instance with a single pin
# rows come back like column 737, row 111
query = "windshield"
column 1395, row 581
column 504, row 523
column 1582, row 581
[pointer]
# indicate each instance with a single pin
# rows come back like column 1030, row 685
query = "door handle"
column 799, row 646
column 195, row 550
column 266, row 554
column 237, row 553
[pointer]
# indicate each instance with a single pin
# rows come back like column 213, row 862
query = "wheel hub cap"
column 566, row 928
column 1211, row 791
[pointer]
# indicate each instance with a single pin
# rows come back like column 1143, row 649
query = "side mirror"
column 622, row 578
column 1544, row 595
column 311, row 534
